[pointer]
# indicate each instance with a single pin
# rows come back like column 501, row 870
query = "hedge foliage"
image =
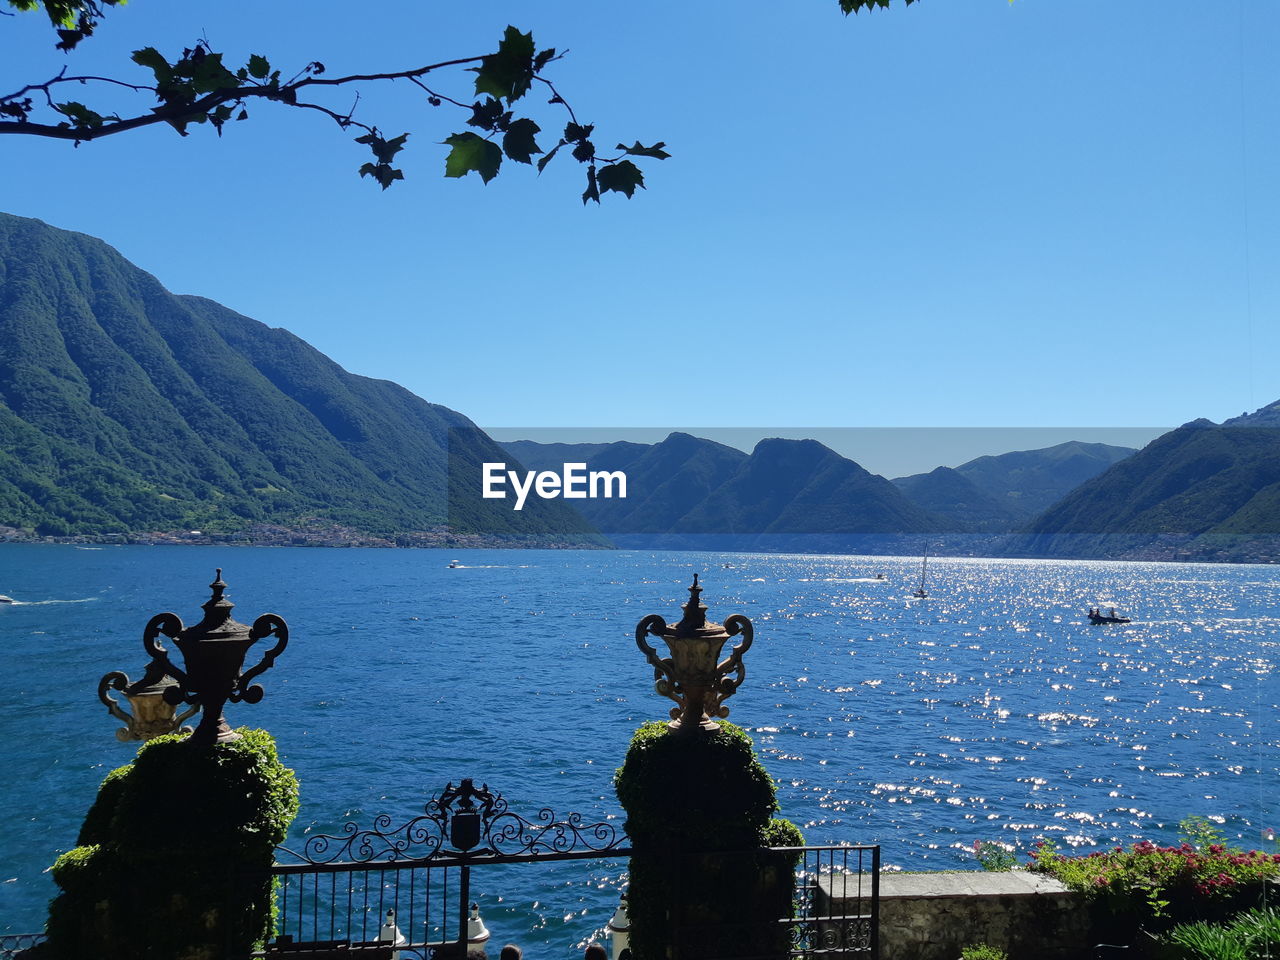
column 173, row 853
column 700, row 818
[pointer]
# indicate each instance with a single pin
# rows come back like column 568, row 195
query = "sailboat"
column 924, row 566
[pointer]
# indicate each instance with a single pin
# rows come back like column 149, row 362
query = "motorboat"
column 1096, row 617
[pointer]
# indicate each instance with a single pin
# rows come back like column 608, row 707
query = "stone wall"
column 931, row 916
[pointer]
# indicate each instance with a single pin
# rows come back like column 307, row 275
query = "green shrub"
column 173, row 855
column 700, row 818
column 981, row 951
column 994, row 856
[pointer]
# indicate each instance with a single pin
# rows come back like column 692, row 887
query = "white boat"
column 4, row 599
column 924, row 566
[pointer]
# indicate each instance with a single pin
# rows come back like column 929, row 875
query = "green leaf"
column 507, row 73
column 220, row 115
column 259, row 67
column 518, row 142
column 79, row 115
column 384, row 173
column 543, row 58
column 383, row 150
column 637, row 150
column 488, row 115
column 544, row 160
column 621, row 177
column 853, row 6
column 593, row 188
column 471, row 152
column 208, row 74
column 150, row 57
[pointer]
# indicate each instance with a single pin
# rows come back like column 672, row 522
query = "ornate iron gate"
column 405, row 891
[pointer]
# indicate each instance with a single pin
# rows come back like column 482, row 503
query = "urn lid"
column 217, row 623
column 695, row 622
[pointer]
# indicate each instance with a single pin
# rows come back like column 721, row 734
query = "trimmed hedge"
column 700, row 817
column 173, row 854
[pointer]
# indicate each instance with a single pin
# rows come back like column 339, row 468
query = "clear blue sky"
column 1036, row 214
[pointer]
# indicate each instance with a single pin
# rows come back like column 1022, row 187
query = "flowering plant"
column 1206, row 878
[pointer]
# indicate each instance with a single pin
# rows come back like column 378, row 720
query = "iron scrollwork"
column 462, row 822
column 266, row 625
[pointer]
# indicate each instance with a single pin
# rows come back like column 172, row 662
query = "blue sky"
column 1037, row 214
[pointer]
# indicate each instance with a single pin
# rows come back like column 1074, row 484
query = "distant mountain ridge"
column 690, row 485
column 1203, row 491
column 1000, row 493
column 125, row 408
column 685, row 489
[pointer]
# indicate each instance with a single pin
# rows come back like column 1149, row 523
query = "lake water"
column 991, row 711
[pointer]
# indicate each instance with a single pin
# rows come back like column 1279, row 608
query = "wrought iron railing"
column 405, row 891
column 365, row 889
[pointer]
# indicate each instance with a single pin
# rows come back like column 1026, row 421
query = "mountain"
column 1268, row 416
column 996, row 494
column 1029, row 481
column 947, row 492
column 665, row 480
column 687, row 487
column 125, row 408
column 1204, row 489
column 552, row 456
column 801, row 486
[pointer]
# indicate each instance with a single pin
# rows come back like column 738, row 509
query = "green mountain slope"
column 124, row 408
column 947, row 492
column 1026, row 482
column 802, row 487
column 1190, row 486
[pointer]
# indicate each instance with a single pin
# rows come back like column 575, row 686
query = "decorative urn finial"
column 694, row 676
column 213, row 653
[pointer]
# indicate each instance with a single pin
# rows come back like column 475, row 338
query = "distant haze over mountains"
column 1202, row 491
column 688, row 485
column 128, row 411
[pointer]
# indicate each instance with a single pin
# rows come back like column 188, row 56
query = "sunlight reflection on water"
column 993, row 710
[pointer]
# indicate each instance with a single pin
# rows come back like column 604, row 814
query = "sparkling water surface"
column 993, row 710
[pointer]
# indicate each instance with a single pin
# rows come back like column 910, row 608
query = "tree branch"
column 398, row 75
column 168, row 113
